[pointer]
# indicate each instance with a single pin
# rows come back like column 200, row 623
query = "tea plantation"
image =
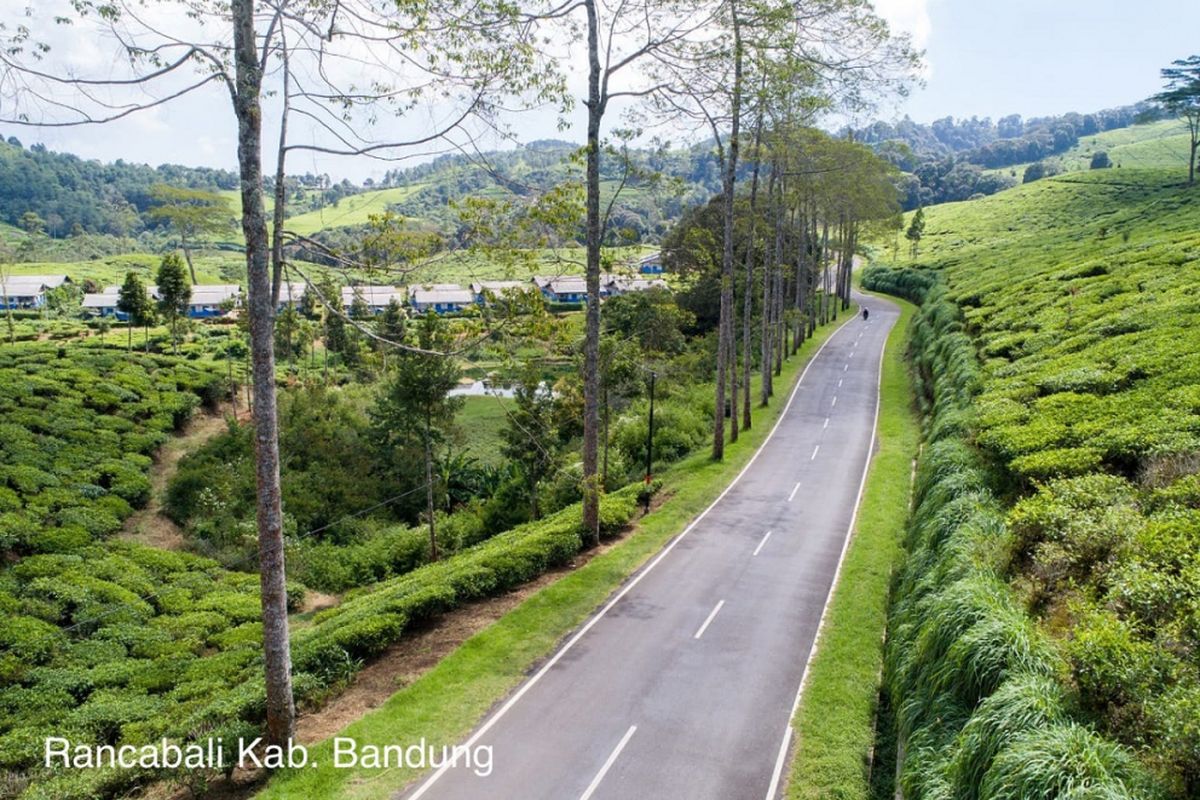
column 108, row 642
column 1045, row 633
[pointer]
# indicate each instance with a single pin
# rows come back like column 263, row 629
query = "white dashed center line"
column 795, row 489
column 758, row 549
column 612, row 757
column 708, row 621
column 816, row 450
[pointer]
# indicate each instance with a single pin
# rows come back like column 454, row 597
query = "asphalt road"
column 683, row 685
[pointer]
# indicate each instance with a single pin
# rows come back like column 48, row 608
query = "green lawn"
column 449, row 700
column 835, row 723
column 480, row 422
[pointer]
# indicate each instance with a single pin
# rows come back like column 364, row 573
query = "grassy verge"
column 835, row 724
column 446, row 703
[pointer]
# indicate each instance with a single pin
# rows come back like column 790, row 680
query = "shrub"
column 1065, row 760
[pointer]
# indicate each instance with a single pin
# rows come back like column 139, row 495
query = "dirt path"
column 148, row 525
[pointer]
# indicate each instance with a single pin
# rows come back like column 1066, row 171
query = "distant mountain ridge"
column 72, row 195
column 946, row 160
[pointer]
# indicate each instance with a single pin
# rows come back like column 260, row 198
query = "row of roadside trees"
column 342, row 72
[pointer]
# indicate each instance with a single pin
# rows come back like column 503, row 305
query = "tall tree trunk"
column 768, row 294
column 748, row 300
column 187, row 256
column 280, row 205
column 724, row 345
column 732, row 360
column 429, row 507
column 799, row 299
column 823, row 276
column 591, row 337
column 607, row 412
column 281, row 711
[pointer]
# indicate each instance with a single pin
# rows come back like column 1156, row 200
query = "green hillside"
column 1046, row 630
column 1157, row 145
column 354, row 210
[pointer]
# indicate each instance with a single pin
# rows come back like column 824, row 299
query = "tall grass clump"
column 981, row 710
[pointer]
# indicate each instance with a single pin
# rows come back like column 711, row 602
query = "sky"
column 983, row 58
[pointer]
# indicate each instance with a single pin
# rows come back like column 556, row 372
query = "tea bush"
column 76, row 432
column 186, row 662
column 1055, row 537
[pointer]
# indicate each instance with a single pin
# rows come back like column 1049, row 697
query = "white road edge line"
column 779, row 762
column 862, row 485
column 612, row 757
column 816, row 450
column 758, row 549
column 795, row 489
column 713, row 614
column 587, row 626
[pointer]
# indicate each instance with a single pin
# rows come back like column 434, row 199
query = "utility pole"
column 650, row 432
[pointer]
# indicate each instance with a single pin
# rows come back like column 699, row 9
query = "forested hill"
column 657, row 184
column 950, row 160
column 69, row 193
column 946, row 161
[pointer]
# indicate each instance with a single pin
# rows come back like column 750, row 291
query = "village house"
column 376, row 297
column 28, row 291
column 651, row 264
column 104, row 304
column 488, row 290
column 291, row 293
column 210, row 300
column 444, row 298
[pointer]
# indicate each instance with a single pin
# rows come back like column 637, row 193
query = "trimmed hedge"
column 972, row 678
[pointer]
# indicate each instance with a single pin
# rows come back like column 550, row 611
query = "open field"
column 354, row 210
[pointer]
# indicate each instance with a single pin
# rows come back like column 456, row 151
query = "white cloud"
column 907, row 16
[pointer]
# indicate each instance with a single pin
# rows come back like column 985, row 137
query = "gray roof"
column 29, row 285
column 496, row 287
column 441, row 293
column 106, row 299
column 638, row 284
column 213, row 294
column 375, row 296
column 570, row 284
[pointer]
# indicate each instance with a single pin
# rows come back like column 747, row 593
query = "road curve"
column 683, row 685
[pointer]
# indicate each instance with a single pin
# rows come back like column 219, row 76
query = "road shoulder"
column 836, row 716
